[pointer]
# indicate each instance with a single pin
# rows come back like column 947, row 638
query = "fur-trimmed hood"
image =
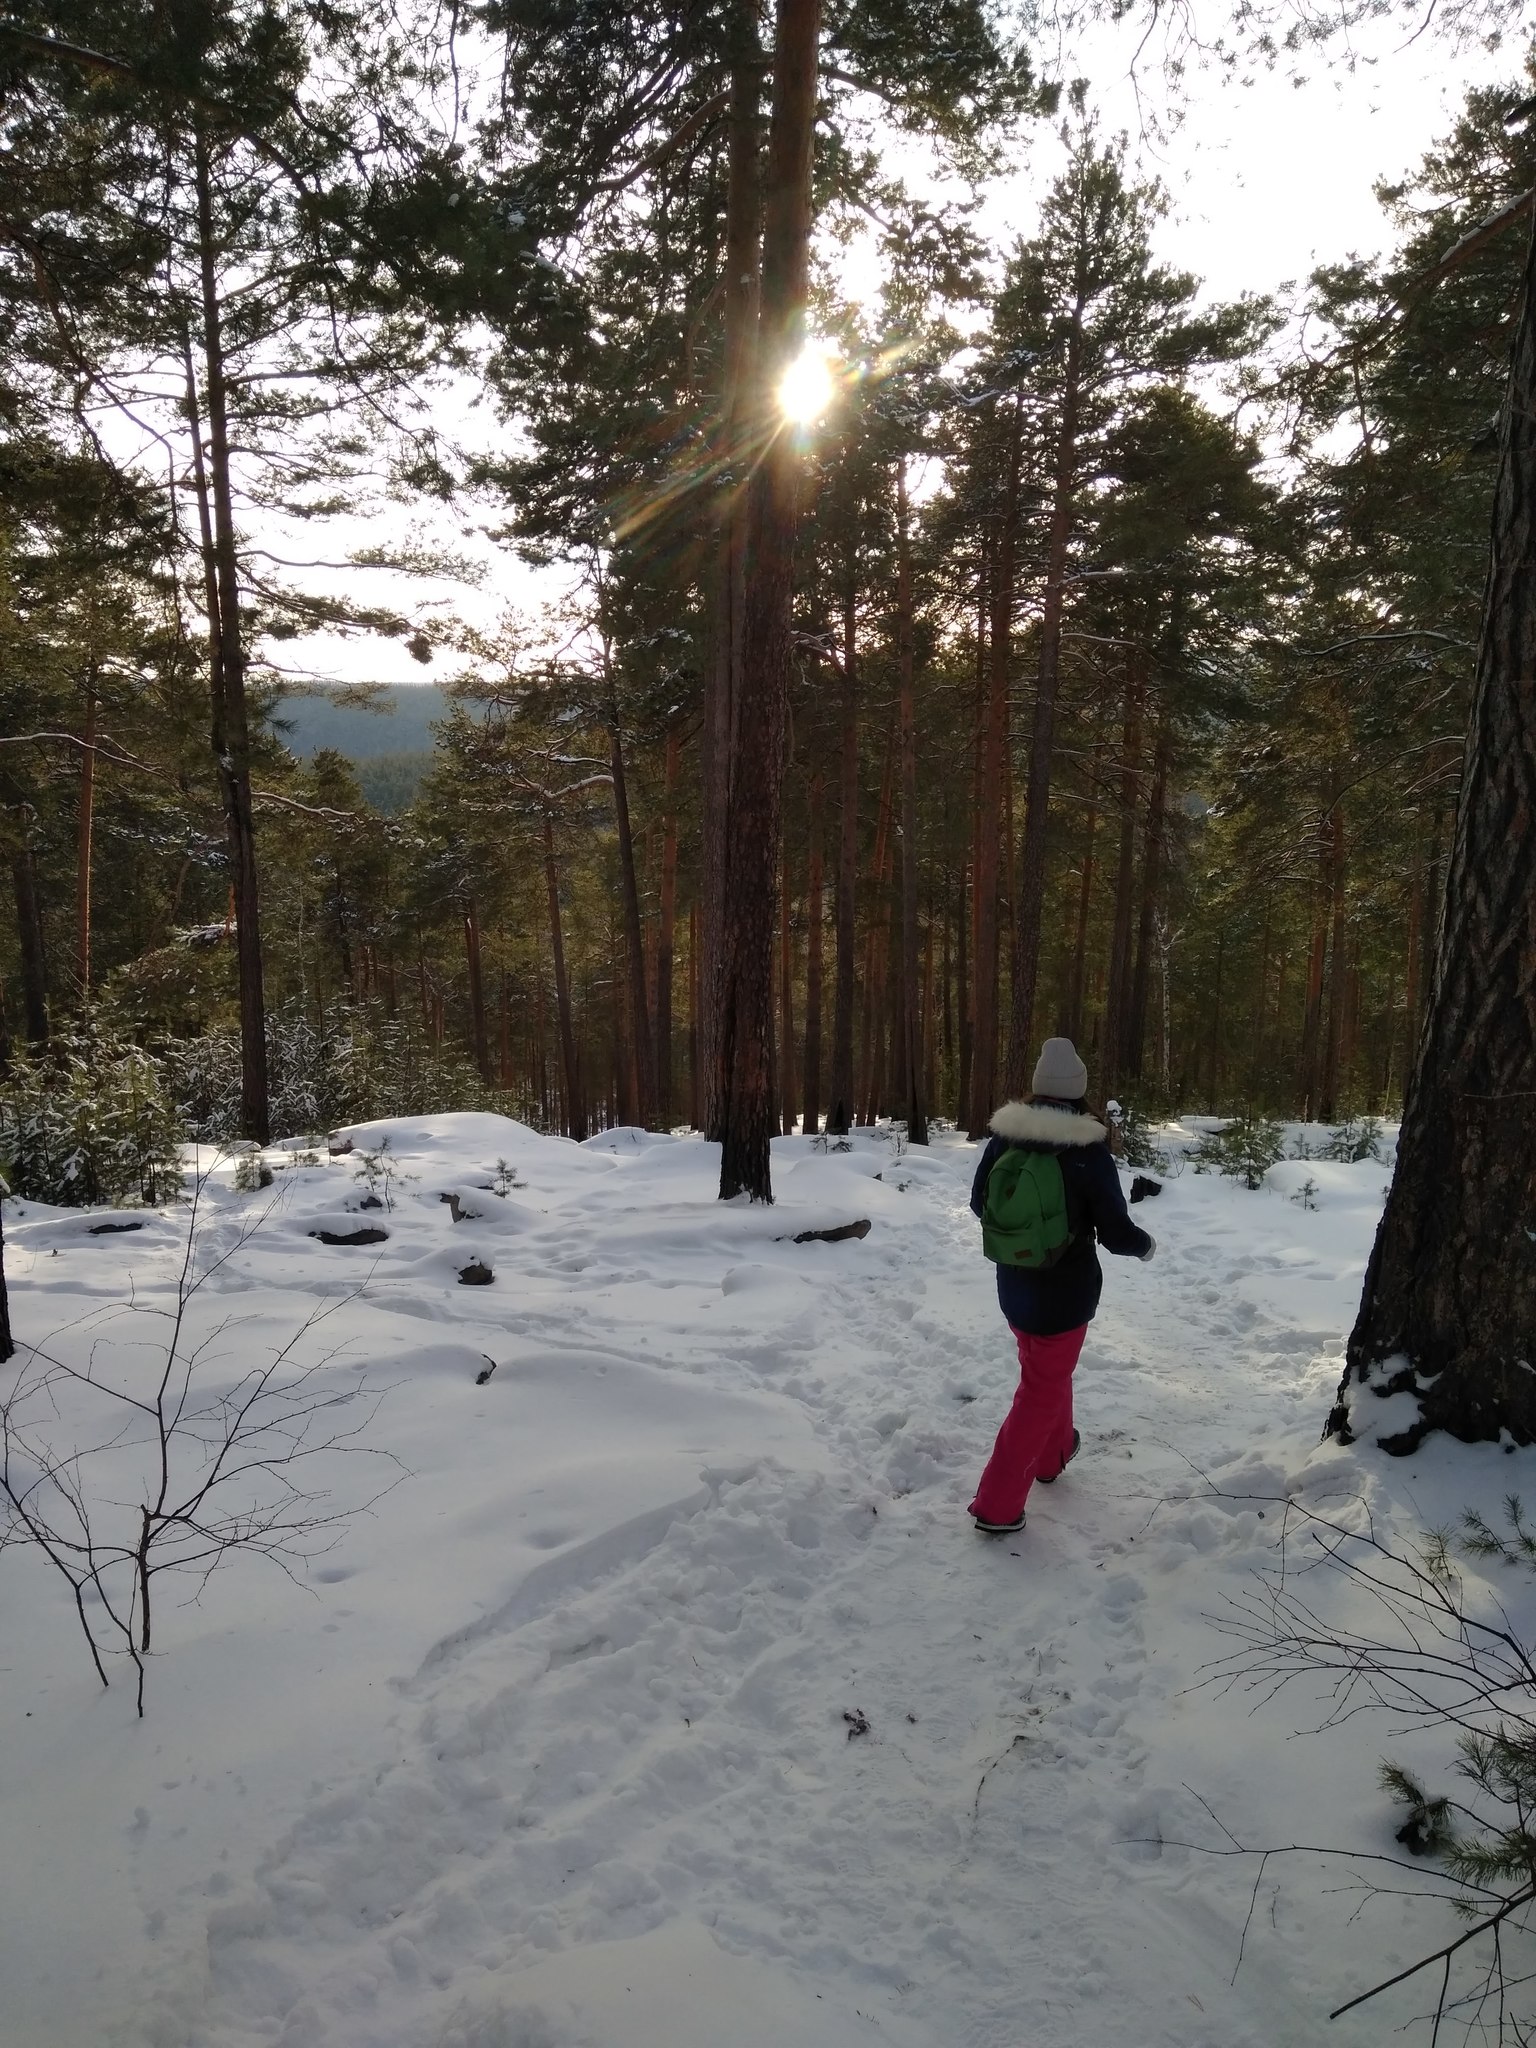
column 1046, row 1123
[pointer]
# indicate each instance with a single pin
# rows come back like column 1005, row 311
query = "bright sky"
column 1266, row 179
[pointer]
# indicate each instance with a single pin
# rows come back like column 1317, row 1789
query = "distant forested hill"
column 391, row 747
column 402, row 724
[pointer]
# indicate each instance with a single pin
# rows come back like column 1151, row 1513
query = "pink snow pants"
column 1037, row 1435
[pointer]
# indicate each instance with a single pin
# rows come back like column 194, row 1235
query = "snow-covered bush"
column 1244, row 1149
column 361, row 1066
column 1356, row 1139
column 89, row 1121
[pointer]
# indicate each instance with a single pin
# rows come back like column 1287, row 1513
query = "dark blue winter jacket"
column 1063, row 1296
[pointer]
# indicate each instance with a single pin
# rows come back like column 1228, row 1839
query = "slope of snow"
column 669, row 1697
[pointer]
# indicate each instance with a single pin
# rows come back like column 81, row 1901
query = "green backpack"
column 1024, row 1215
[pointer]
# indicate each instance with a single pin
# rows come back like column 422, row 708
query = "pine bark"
column 989, row 802
column 746, row 1006
column 1030, row 902
column 1117, row 990
column 575, row 1113
column 666, row 930
column 230, row 732
column 1073, row 1020
column 84, row 827
column 1151, row 889
column 634, row 933
column 1450, row 1291
column 733, row 458
column 1338, row 963
column 840, row 1101
column 811, row 1085
column 786, row 1002
column 915, row 1105
column 477, row 1023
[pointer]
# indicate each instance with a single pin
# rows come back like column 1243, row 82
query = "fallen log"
column 843, row 1230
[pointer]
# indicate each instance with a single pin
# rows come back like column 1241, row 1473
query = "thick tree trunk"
column 1450, row 1291
column 230, row 734
column 915, row 1106
column 734, row 456
column 811, row 1088
column 746, row 1009
column 1030, row 902
column 666, row 929
column 840, row 1103
column 634, row 934
column 989, row 803
column 575, row 1114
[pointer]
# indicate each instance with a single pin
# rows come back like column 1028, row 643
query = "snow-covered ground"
column 669, row 1699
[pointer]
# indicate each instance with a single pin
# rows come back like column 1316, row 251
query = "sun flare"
column 807, row 386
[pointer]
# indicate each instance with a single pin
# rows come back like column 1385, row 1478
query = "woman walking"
column 1045, row 1190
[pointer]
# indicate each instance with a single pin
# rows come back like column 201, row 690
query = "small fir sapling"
column 381, row 1173
column 1305, row 1196
column 1244, row 1149
column 506, row 1178
column 1357, row 1139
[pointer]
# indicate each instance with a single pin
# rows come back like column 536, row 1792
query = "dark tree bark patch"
column 368, row 1234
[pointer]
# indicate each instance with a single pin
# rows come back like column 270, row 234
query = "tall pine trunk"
column 575, row 1114
column 1029, row 906
column 746, row 937
column 989, row 795
column 840, row 1100
column 734, row 457
column 667, row 924
column 1117, row 990
column 1337, row 967
column 477, row 1023
column 634, row 935
column 84, row 827
column 1151, row 888
column 915, row 1105
column 811, row 1086
column 230, row 732
column 1450, row 1291
column 1073, row 1019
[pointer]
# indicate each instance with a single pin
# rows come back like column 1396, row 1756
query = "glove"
column 1151, row 1248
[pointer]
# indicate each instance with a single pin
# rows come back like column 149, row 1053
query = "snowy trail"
column 631, row 1776
column 665, row 1733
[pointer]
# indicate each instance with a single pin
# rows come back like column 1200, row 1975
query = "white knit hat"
column 1059, row 1071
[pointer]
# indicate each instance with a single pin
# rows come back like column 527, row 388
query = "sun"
column 807, row 387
